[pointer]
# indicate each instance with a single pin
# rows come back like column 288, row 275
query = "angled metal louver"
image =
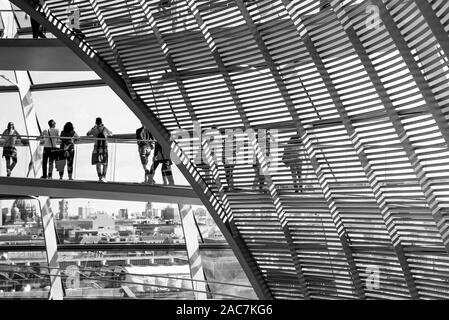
column 361, row 87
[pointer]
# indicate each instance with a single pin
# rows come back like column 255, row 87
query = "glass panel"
column 20, row 223
column 144, row 274
column 225, row 276
column 123, row 162
column 24, row 275
column 209, row 230
column 91, row 221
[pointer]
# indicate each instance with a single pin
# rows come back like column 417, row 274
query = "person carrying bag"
column 50, row 149
column 100, row 152
column 67, row 150
column 10, row 136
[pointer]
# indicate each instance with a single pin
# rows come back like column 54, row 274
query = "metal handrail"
column 87, row 269
column 80, row 138
column 131, row 140
column 133, row 283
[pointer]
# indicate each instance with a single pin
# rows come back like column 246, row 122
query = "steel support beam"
column 20, row 54
column 193, row 252
column 419, row 78
column 107, row 33
column 431, row 103
column 375, row 185
column 51, row 248
column 434, row 24
column 316, row 166
column 30, row 120
column 336, row 217
column 92, row 189
column 422, row 177
column 67, row 85
column 277, row 203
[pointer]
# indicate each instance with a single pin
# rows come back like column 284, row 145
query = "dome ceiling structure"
column 354, row 96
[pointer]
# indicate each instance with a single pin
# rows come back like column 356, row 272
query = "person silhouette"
column 50, row 139
column 10, row 136
column 36, row 26
column 145, row 143
column 100, row 152
column 293, row 157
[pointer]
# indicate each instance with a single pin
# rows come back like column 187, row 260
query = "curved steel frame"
column 117, row 84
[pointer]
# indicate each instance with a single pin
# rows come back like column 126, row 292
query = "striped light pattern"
column 360, row 87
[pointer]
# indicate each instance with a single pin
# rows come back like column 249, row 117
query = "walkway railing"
column 30, row 281
column 124, row 164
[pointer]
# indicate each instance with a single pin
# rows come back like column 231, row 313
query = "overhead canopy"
column 38, row 55
column 20, row 187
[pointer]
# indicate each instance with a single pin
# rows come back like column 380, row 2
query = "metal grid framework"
column 364, row 85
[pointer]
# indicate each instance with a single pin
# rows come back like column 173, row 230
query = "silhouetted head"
column 98, row 121
column 10, row 125
column 68, row 127
column 51, row 123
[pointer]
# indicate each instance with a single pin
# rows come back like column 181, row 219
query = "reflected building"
column 123, row 214
column 5, row 214
column 148, row 210
column 63, row 209
column 82, row 212
column 23, row 210
column 157, row 213
column 168, row 213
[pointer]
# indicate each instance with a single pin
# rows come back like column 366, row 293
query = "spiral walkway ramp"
column 361, row 88
column 22, row 187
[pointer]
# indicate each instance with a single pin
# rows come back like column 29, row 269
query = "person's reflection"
column 324, row 4
column 293, row 158
column 165, row 6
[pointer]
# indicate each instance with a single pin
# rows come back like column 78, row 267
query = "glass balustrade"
column 117, row 274
column 23, row 275
column 124, row 165
column 143, row 274
column 104, row 222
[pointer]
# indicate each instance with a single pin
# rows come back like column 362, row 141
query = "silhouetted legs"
column 35, row 27
column 295, row 170
column 167, row 174
column 48, row 159
column 144, row 154
column 102, row 169
column 10, row 165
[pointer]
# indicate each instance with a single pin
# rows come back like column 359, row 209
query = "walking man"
column 145, row 143
column 100, row 152
column 162, row 157
column 50, row 137
column 10, row 136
